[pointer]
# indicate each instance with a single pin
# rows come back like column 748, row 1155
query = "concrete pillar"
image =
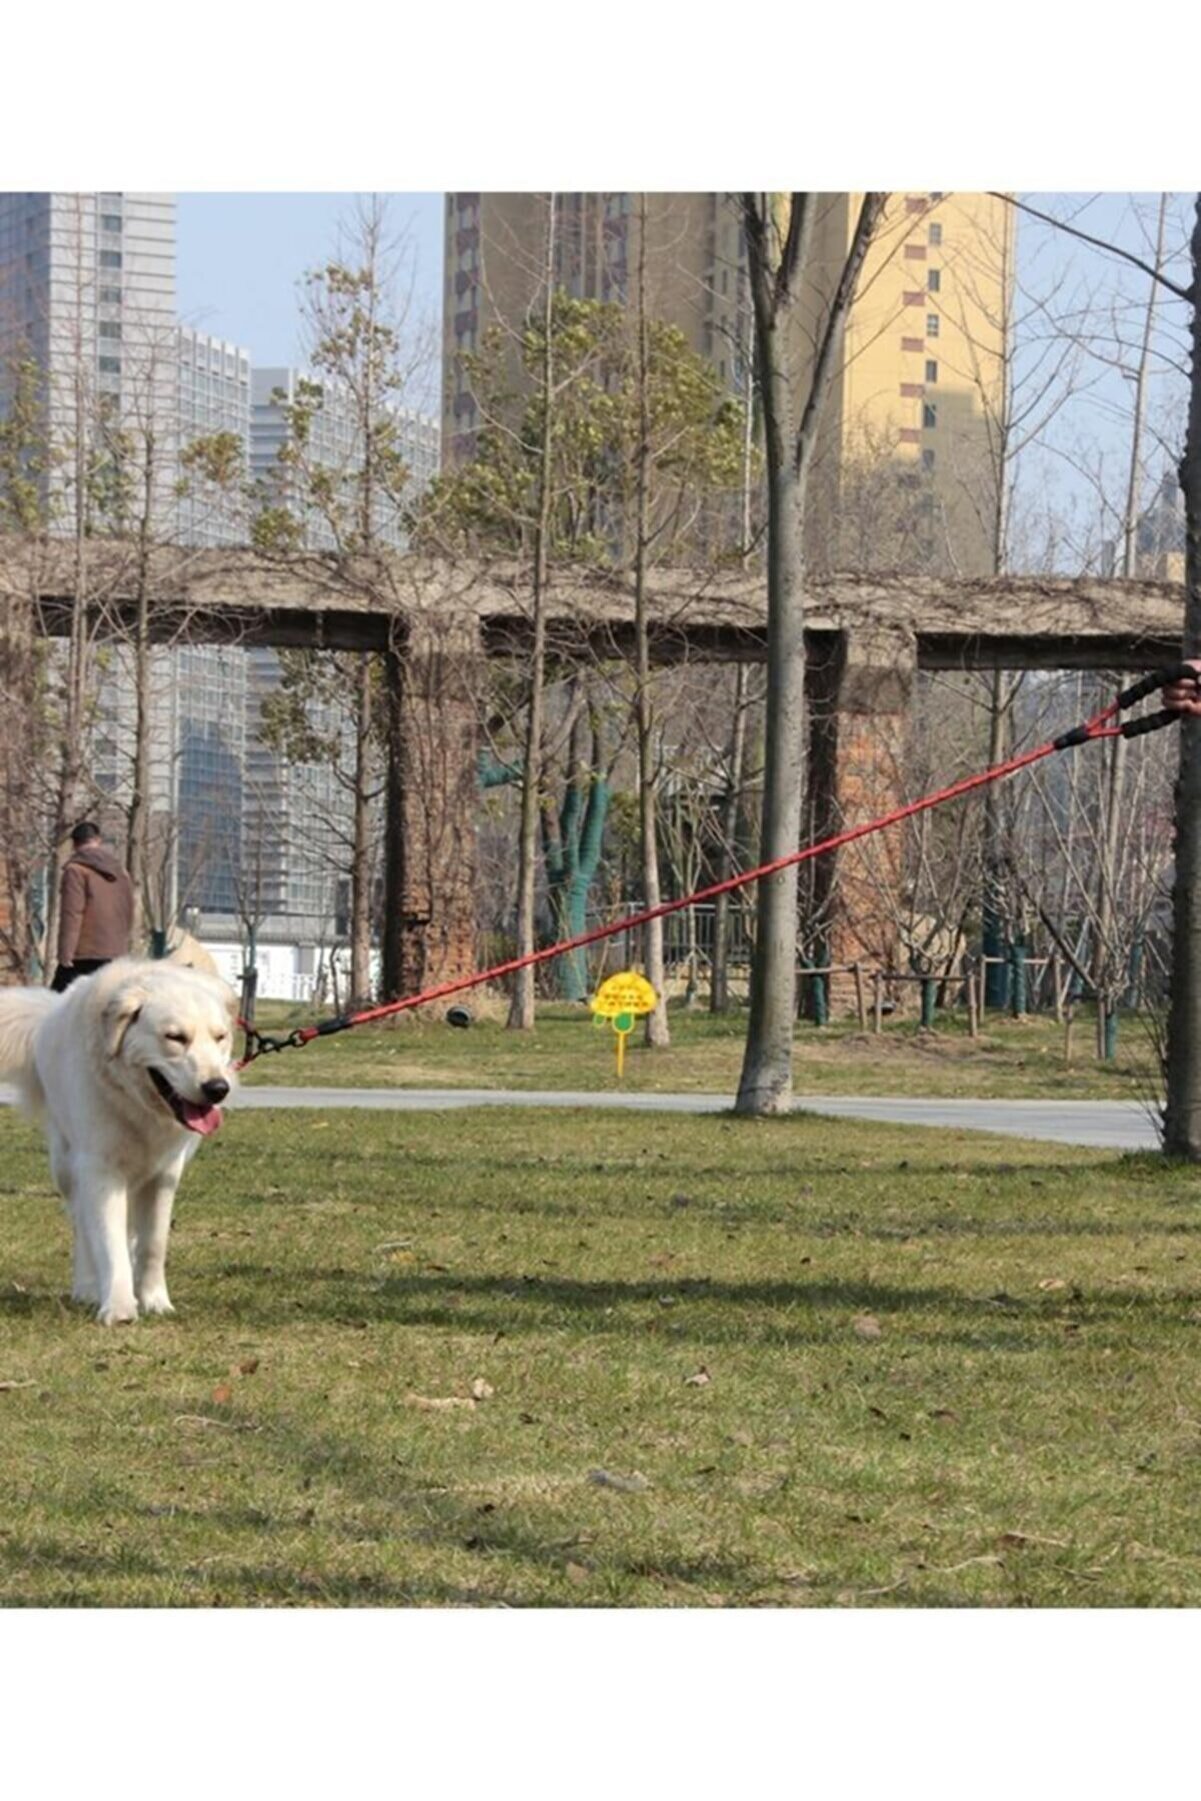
column 429, row 924
column 861, row 684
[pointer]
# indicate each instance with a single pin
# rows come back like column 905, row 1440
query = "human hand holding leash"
column 1184, row 696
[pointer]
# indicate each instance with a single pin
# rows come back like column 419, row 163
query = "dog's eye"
column 176, row 1037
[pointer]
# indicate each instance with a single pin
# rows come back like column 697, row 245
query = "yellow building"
column 912, row 438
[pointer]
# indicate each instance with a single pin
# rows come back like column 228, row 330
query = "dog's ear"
column 120, row 1012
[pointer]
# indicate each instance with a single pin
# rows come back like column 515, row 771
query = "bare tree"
column 521, row 1010
column 780, row 236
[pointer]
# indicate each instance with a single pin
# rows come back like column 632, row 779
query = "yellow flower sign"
column 620, row 1000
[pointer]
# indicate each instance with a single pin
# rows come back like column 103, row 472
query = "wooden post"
column 878, row 1000
column 973, row 1010
column 860, row 1001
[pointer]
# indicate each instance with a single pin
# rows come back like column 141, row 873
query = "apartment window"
column 931, row 371
column 931, row 325
column 110, row 365
column 110, row 259
column 936, row 233
column 109, row 328
column 110, row 296
column 928, row 461
column 929, row 415
column 110, row 221
column 933, row 280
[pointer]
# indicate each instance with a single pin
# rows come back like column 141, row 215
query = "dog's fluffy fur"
column 125, row 1070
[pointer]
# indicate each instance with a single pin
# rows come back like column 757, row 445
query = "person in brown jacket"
column 95, row 915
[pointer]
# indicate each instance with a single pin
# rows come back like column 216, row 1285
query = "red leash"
column 1097, row 727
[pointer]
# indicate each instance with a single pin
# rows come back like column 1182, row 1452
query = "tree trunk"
column 766, row 1081
column 521, row 1008
column 1110, row 962
column 657, row 1033
column 138, row 832
column 995, row 926
column 360, row 867
column 719, row 991
column 779, row 243
column 1182, row 1115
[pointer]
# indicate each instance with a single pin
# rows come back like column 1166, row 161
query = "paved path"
column 1104, row 1125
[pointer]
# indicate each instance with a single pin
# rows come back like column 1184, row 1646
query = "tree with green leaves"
column 604, row 438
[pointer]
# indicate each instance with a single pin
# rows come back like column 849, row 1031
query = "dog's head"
column 168, row 1038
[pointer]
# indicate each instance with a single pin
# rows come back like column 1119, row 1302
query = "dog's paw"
column 155, row 1300
column 118, row 1313
column 86, row 1296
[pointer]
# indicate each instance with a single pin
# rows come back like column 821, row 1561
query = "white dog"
column 126, row 1069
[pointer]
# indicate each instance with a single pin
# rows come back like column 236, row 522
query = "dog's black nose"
column 214, row 1091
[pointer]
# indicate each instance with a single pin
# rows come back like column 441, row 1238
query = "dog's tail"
column 22, row 1011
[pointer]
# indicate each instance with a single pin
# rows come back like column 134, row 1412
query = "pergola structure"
column 435, row 621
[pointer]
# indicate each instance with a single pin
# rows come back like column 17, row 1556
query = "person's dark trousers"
column 64, row 975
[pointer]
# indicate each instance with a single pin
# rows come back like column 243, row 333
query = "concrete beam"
column 239, row 596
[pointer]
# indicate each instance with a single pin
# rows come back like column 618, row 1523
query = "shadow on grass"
column 513, row 1561
column 777, row 1313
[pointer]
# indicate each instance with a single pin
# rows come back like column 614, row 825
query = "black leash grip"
column 1079, row 734
column 1154, row 722
column 329, row 1026
column 1155, row 680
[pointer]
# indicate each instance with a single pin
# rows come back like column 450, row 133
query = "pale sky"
column 240, row 257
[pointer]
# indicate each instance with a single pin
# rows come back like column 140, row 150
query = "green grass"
column 1012, row 1059
column 942, row 1370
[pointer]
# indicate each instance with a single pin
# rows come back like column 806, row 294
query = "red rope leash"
column 1093, row 728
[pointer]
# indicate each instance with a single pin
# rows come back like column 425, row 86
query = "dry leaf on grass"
column 482, row 1390
column 247, row 1367
column 7, row 1387
column 578, row 1573
column 223, row 1393
column 1050, row 1282
column 867, row 1326
column 700, row 1379
column 633, row 1484
column 438, row 1403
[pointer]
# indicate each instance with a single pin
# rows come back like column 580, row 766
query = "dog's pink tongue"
column 204, row 1120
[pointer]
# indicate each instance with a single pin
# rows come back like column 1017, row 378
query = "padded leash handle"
column 1154, row 722
column 1152, row 682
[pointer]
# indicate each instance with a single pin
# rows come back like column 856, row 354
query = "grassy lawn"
column 813, row 1367
column 1014, row 1059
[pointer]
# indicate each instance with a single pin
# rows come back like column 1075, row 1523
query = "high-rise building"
column 334, row 444
column 919, row 389
column 213, row 399
column 87, row 293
